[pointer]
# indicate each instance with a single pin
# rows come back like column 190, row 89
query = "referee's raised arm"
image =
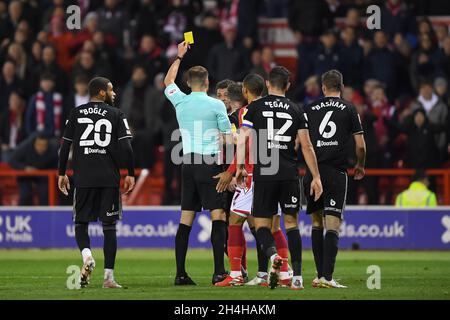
column 173, row 70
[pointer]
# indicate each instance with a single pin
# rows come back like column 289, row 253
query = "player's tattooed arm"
column 311, row 162
column 360, row 149
column 173, row 70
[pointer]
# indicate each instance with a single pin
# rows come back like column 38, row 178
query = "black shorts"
column 267, row 195
column 198, row 187
column 91, row 204
column 332, row 201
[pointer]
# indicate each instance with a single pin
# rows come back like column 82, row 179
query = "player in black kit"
column 333, row 123
column 277, row 123
column 100, row 137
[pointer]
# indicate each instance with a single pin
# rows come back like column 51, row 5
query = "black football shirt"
column 332, row 123
column 95, row 130
column 276, row 121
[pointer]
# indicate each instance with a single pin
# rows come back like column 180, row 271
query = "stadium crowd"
column 397, row 77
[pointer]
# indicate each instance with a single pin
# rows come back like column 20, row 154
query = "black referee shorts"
column 198, row 187
column 92, row 204
column 332, row 201
column 267, row 195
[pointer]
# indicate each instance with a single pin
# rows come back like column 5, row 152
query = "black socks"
column 295, row 249
column 330, row 253
column 263, row 262
column 265, row 237
column 181, row 246
column 218, row 241
column 109, row 245
column 82, row 236
column 317, row 247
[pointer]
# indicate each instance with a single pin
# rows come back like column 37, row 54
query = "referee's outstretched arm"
column 173, row 70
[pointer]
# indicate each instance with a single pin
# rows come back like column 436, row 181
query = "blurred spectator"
column 90, row 25
column 210, row 35
column 383, row 111
column 312, row 90
column 441, row 89
column 237, row 99
column 228, row 14
column 436, row 113
column 423, row 61
column 397, row 18
column 36, row 53
column 177, row 20
column 380, row 55
column 146, row 20
column 310, row 18
column 7, row 27
column 140, row 104
column 247, row 25
column 417, row 195
column 262, row 62
column 61, row 40
column 327, row 56
column 11, row 126
column 44, row 112
column 113, row 20
column 444, row 59
column 227, row 59
column 352, row 56
column 33, row 154
column 402, row 56
column 49, row 65
column 78, row 95
column 17, row 54
column 441, row 34
column 305, row 52
column 9, row 82
column 151, row 56
column 86, row 66
column 222, row 92
column 421, row 145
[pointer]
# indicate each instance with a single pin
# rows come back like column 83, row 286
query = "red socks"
column 236, row 247
column 282, row 248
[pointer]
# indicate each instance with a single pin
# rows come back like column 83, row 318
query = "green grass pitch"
column 148, row 274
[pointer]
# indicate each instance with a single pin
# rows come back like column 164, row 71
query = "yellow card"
column 189, row 37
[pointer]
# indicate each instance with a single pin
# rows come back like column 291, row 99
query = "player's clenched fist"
column 64, row 184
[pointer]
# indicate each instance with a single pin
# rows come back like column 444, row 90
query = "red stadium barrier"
column 442, row 175
column 51, row 176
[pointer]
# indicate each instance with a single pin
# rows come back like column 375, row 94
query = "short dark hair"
column 81, row 79
column 333, row 80
column 235, row 93
column 254, row 83
column 224, row 84
column 97, row 84
column 47, row 76
column 279, row 77
column 197, row 75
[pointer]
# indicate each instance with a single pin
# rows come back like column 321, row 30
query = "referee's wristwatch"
column 178, row 57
